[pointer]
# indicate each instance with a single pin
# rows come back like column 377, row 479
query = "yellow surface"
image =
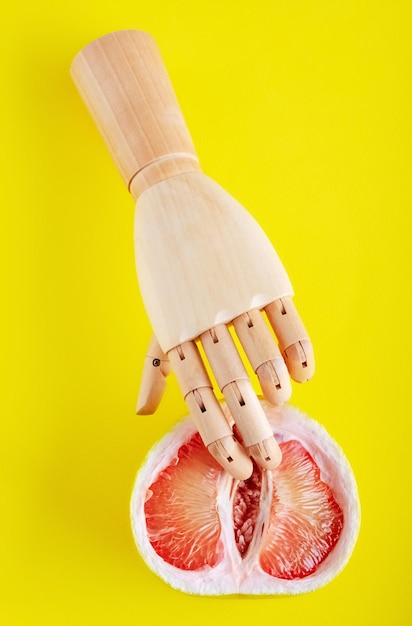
column 302, row 111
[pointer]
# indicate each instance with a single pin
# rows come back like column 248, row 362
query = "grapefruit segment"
column 181, row 517
column 305, row 521
column 285, row 531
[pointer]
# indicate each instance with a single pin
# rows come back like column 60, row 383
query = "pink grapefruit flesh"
column 181, row 516
column 290, row 530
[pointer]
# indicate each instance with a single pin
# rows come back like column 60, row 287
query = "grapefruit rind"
column 232, row 575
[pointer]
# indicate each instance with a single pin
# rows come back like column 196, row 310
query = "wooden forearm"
column 124, row 83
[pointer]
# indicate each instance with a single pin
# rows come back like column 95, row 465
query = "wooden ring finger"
column 264, row 356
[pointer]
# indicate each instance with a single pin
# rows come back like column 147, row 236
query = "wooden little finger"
column 294, row 342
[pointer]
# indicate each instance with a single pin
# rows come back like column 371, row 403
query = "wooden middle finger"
column 241, row 399
column 206, row 412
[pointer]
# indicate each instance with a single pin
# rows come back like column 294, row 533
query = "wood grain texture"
column 201, row 258
column 125, row 85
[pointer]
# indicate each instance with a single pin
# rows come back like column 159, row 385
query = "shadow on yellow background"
column 302, row 111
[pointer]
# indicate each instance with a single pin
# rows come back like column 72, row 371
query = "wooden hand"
column 204, row 265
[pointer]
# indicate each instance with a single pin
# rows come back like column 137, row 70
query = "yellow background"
column 301, row 109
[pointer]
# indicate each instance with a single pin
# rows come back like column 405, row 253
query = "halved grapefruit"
column 287, row 531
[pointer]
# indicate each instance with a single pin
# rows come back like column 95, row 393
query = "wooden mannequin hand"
column 205, row 267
